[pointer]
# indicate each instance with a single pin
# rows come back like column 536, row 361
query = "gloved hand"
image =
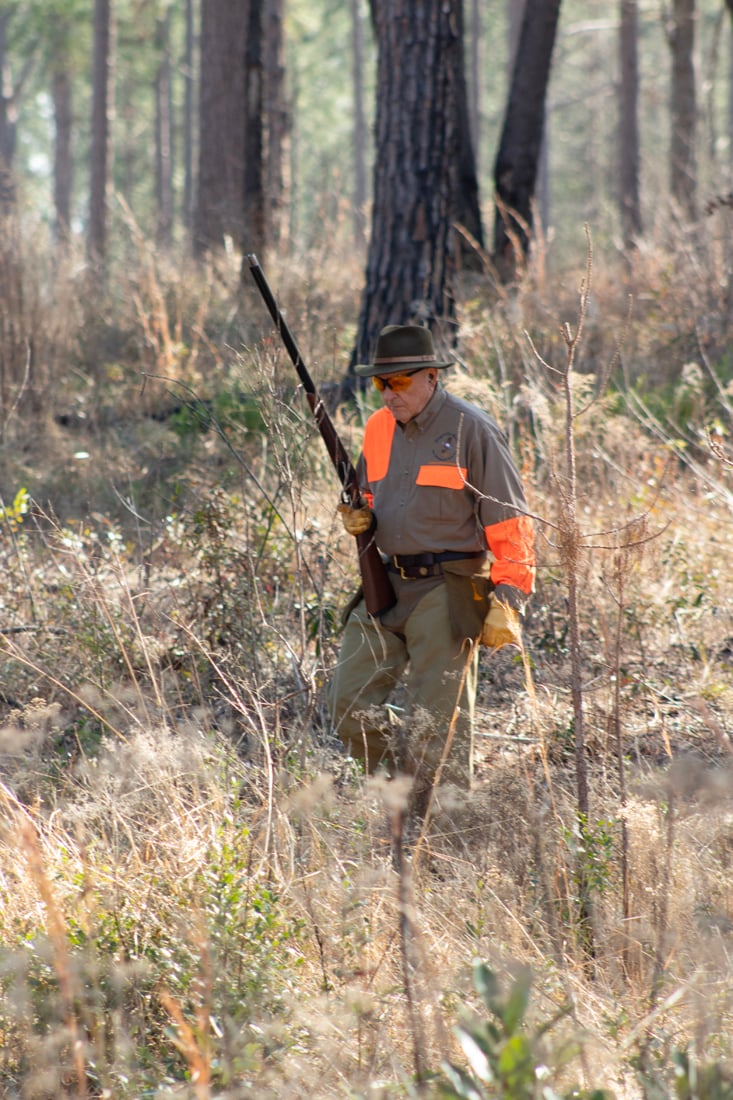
column 501, row 626
column 356, row 521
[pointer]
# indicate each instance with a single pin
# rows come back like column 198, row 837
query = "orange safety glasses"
column 395, row 382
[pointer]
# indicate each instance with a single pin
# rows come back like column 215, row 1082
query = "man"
column 446, row 504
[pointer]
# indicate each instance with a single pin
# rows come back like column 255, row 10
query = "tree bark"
column 475, row 70
column 100, row 158
column 222, row 125
column 163, row 133
column 255, row 230
column 683, row 107
column 188, row 115
column 518, row 158
column 468, row 212
column 63, row 161
column 629, row 149
column 411, row 254
column 360, row 126
column 276, row 123
column 8, row 121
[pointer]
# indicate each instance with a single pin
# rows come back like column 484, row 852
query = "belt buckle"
column 400, row 568
column 422, row 570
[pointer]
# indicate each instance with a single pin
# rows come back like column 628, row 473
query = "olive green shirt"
column 449, row 476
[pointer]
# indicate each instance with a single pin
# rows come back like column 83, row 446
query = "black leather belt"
column 413, row 566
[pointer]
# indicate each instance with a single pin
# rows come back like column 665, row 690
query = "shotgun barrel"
column 378, row 592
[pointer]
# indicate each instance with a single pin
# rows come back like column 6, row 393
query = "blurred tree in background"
column 177, row 109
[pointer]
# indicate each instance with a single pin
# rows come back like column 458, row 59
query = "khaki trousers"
column 440, row 676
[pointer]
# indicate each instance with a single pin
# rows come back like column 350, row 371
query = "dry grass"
column 199, row 896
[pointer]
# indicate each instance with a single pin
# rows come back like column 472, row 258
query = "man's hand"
column 501, row 626
column 357, row 521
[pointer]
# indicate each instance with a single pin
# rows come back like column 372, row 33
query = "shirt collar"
column 431, row 410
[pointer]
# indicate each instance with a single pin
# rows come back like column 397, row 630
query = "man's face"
column 407, row 401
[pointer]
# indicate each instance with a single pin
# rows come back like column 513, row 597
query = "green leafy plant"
column 506, row 1057
column 13, row 513
column 593, row 847
column 701, row 1081
column 686, row 1078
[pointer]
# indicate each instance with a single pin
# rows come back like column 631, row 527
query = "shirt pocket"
column 438, row 496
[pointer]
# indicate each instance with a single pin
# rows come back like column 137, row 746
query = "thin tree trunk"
column 255, row 229
column 468, row 207
column 360, row 126
column 219, row 212
column 729, row 8
column 97, row 237
column 519, row 156
column 683, row 107
column 188, row 117
column 629, row 150
column 164, row 133
column 63, row 161
column 475, row 70
column 515, row 15
column 276, row 123
column 8, row 122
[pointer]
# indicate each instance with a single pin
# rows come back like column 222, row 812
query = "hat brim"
column 368, row 370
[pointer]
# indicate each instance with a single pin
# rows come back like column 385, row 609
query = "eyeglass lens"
column 396, row 382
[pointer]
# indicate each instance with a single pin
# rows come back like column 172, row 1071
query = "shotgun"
column 378, row 592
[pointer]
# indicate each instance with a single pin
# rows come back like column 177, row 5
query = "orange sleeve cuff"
column 512, row 544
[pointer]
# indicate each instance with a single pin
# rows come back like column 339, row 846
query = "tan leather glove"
column 356, row 521
column 501, row 626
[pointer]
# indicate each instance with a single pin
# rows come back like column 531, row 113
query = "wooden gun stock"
column 378, row 592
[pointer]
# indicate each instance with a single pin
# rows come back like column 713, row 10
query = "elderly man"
column 446, row 504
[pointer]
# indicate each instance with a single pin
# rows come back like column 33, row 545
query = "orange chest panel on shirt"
column 378, row 438
column 442, row 476
column 378, row 448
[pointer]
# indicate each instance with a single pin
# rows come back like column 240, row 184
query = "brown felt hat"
column 402, row 348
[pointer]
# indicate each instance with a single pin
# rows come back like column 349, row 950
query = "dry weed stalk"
column 572, row 544
column 190, row 1046
column 58, row 937
column 407, row 939
column 195, row 1043
column 621, row 565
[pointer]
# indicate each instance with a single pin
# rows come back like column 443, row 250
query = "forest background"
column 200, row 895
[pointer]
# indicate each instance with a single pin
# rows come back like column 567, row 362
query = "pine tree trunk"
column 276, row 123
column 411, row 251
column 255, row 229
column 629, row 151
column 63, row 161
column 518, row 159
column 100, row 150
column 683, row 107
column 468, row 208
column 188, row 115
column 8, row 121
column 164, row 133
column 475, row 70
column 219, row 212
column 360, row 126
